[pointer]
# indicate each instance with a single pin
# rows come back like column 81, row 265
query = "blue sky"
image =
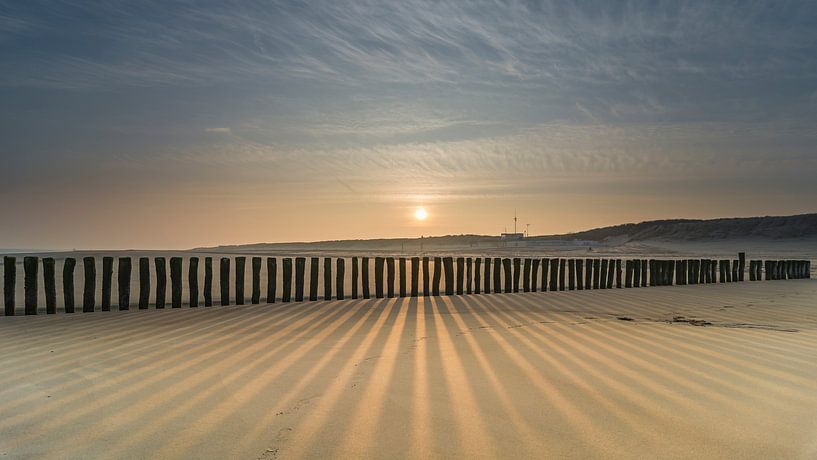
column 237, row 122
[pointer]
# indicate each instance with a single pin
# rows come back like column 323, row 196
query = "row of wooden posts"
column 472, row 276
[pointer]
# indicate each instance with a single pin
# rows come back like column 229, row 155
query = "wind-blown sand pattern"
column 715, row 371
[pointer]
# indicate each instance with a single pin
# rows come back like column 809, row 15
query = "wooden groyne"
column 438, row 276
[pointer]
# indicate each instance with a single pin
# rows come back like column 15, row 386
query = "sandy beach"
column 715, row 371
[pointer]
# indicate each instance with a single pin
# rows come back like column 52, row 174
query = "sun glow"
column 420, row 214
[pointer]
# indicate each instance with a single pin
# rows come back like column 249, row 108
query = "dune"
column 714, row 371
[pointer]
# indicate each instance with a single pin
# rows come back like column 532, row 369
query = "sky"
column 184, row 124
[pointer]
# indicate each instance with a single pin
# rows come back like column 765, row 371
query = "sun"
column 420, row 214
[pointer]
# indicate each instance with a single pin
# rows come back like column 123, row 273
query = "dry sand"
column 615, row 374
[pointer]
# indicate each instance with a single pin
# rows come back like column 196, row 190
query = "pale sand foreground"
column 524, row 375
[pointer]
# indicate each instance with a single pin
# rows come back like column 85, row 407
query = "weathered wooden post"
column 579, row 274
column 460, row 275
column 161, row 281
column 123, row 282
column 733, row 277
column 300, row 269
column 401, row 262
column 208, row 281
column 603, row 274
column 534, row 275
column 611, row 265
column 680, row 272
column 672, row 265
column 713, row 267
column 517, row 267
column 176, row 282
column 255, row 298
column 554, row 274
column 705, row 272
column 526, row 267
column 327, row 278
column 723, row 270
column 426, row 277
column 751, row 270
column 448, row 264
column 50, row 285
column 562, row 274
column 477, row 275
column 618, row 273
column 468, row 276
column 68, row 284
column 497, row 275
column 272, row 279
column 240, row 263
column 364, row 277
column 808, row 270
column 313, row 278
column 89, row 290
column 390, row 277
column 340, row 279
column 636, row 263
column 653, row 271
column 628, row 273
column 144, row 283
column 545, row 272
column 378, row 277
column 286, row 281
column 193, row 281
column 588, row 273
column 224, row 281
column 486, row 277
column 741, row 265
column 10, row 284
column 571, row 274
column 31, row 269
column 506, row 268
column 107, row 281
column 596, row 273
column 355, row 277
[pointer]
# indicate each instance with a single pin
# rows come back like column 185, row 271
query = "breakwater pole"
column 461, row 275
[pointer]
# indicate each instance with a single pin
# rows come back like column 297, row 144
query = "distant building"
column 512, row 236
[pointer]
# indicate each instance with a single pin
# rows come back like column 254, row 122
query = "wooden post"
column 402, row 277
column 378, row 277
column 448, row 264
column 671, row 270
column 628, row 273
column 313, row 278
column 725, row 273
column 286, row 281
column 554, row 274
column 193, row 281
column 486, row 276
column 144, row 283
column 208, row 281
column 426, row 277
column 89, row 290
column 562, row 273
column 10, row 284
column 50, row 285
column 477, row 275
column 611, row 265
column 751, row 270
column 435, row 283
column 68, row 284
column 415, row 276
column 107, row 281
column 468, row 275
column 545, row 272
column 364, row 276
column 31, row 269
column 240, row 263
column 272, row 279
column 588, row 273
column 340, row 291
column 526, row 267
column 741, row 265
column 355, row 277
column 618, row 273
column 534, row 275
column 224, row 281
column 596, row 273
column 571, row 274
column 123, row 282
column 603, row 274
column 390, row 276
column 653, row 271
column 300, row 268
column 517, row 273
column 704, row 275
column 506, row 266
column 497, row 275
column 327, row 278
column 255, row 299
column 733, row 276
column 176, row 282
column 636, row 263
column 579, row 274
column 460, row 275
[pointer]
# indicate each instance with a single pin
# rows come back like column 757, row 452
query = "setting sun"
column 420, row 214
